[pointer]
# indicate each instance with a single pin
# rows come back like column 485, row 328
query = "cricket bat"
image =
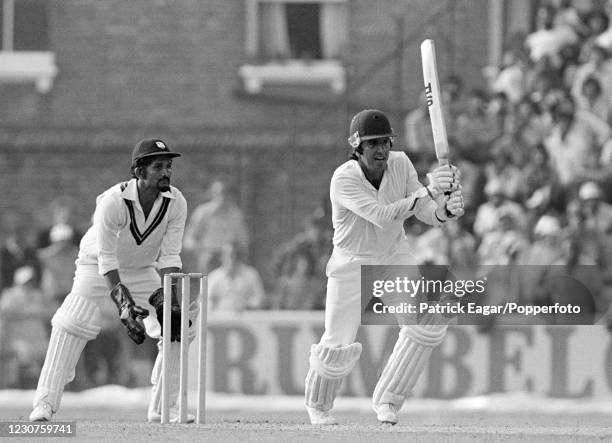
column 434, row 103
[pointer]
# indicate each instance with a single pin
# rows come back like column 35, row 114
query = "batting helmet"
column 368, row 125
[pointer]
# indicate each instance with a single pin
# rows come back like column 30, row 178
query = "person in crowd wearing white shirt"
column 234, row 286
column 371, row 195
column 135, row 238
column 214, row 224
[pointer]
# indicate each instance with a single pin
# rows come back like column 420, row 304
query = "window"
column 24, row 46
column 295, row 41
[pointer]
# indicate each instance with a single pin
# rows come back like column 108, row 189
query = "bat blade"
column 434, row 102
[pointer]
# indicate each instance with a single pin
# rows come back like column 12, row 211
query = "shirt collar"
column 131, row 191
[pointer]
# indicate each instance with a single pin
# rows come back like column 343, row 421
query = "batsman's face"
column 158, row 174
column 375, row 154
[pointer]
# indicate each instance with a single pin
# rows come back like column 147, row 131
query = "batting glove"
column 443, row 179
column 454, row 204
column 157, row 301
column 130, row 313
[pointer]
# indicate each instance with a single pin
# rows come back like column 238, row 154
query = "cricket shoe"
column 41, row 412
column 386, row 413
column 318, row 417
column 155, row 417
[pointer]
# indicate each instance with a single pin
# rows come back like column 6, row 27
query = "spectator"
column 17, row 249
column 597, row 66
column 549, row 246
column 214, row 224
column 549, row 37
column 596, row 25
column 62, row 213
column 300, row 287
column 605, row 38
column 590, row 220
column 476, row 128
column 593, row 104
column 503, row 169
column 314, row 241
column 461, row 245
column 234, row 286
column 25, row 316
column 451, row 245
column 452, row 97
column 431, row 247
column 504, row 244
column 57, row 262
column 574, row 146
column 489, row 213
column 536, row 175
column 530, row 127
column 511, row 79
column 419, row 138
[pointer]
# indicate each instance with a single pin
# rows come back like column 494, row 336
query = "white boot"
column 154, row 417
column 386, row 413
column 41, row 412
column 318, row 417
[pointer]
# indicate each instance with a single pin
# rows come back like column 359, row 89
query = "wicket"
column 184, row 353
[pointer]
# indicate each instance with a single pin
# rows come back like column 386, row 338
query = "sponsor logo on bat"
column 429, row 95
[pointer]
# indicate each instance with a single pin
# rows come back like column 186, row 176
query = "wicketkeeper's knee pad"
column 407, row 361
column 78, row 316
column 328, row 366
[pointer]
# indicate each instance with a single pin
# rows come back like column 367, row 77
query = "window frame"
column 288, row 71
column 23, row 66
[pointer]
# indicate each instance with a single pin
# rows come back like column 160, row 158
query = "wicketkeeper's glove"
column 129, row 313
column 157, row 301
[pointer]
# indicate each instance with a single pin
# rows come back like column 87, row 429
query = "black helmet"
column 368, row 125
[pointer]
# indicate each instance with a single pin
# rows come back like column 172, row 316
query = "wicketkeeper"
column 371, row 196
column 136, row 235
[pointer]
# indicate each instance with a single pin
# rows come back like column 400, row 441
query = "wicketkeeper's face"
column 158, row 173
column 375, row 154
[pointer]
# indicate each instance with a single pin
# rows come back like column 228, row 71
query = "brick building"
column 258, row 92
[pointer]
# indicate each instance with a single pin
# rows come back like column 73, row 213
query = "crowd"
column 535, row 151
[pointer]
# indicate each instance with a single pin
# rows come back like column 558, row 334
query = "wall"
column 169, row 69
column 267, row 353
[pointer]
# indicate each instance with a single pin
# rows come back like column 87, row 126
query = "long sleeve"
column 348, row 193
column 110, row 217
column 172, row 240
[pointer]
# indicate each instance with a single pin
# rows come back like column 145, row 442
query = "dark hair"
column 355, row 151
column 141, row 163
column 593, row 81
column 359, row 150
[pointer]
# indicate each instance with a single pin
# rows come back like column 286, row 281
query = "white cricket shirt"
column 369, row 222
column 121, row 238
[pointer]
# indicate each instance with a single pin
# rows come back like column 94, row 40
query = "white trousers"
column 343, row 299
column 79, row 319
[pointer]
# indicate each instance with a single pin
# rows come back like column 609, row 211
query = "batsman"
column 371, row 196
column 136, row 236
